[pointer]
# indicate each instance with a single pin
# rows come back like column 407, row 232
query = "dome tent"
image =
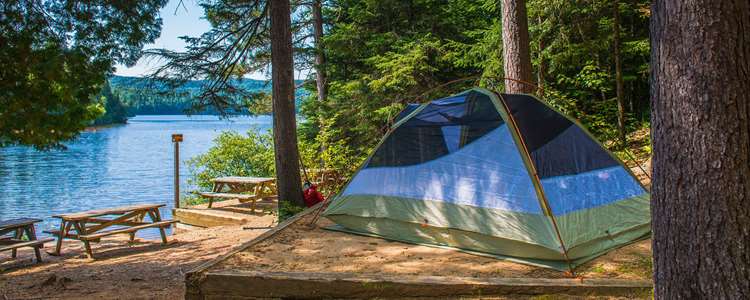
column 502, row 175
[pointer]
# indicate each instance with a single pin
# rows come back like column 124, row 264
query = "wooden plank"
column 15, row 223
column 227, row 195
column 116, row 221
column 98, row 235
column 11, row 241
column 242, row 180
column 20, row 244
column 106, row 211
column 209, row 217
column 230, row 284
column 123, row 223
column 57, row 233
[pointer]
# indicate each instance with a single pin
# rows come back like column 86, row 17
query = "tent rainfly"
column 503, row 175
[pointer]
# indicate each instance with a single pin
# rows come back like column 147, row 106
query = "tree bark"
column 288, row 181
column 320, row 58
column 618, row 76
column 700, row 89
column 516, row 56
column 542, row 71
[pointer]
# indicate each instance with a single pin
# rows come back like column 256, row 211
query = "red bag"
column 312, row 196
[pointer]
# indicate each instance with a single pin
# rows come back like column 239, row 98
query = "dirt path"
column 143, row 270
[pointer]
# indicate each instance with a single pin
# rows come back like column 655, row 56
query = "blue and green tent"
column 503, row 175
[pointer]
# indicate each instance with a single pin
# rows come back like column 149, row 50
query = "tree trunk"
column 320, row 58
column 542, row 72
column 618, row 77
column 288, row 181
column 516, row 57
column 700, row 93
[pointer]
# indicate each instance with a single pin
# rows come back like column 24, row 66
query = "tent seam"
column 592, row 137
column 534, row 176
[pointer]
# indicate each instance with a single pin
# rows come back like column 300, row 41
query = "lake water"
column 109, row 167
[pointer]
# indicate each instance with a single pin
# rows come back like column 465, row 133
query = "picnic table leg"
column 31, row 234
column 258, row 192
column 17, row 235
column 138, row 218
column 156, row 217
column 80, row 230
column 216, row 189
column 64, row 227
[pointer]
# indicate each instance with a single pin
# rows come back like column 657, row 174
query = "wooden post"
column 176, row 139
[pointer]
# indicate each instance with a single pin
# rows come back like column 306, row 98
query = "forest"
column 379, row 55
column 130, row 96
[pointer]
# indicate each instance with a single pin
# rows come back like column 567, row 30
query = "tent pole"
column 537, row 182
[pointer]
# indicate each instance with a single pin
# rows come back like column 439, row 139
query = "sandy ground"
column 142, row 270
column 300, row 248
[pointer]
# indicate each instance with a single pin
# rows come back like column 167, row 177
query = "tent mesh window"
column 442, row 127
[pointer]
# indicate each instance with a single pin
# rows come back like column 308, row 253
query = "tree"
column 284, row 120
column 246, row 37
column 56, row 54
column 516, row 53
column 382, row 54
column 701, row 134
column 114, row 111
column 320, row 58
column 578, row 62
column 618, row 75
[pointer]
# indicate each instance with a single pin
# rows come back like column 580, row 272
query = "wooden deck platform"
column 230, row 212
column 251, row 271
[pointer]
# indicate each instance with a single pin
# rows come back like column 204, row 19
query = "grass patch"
column 599, row 269
column 192, row 199
column 641, row 266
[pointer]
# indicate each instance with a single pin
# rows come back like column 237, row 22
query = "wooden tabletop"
column 242, row 180
column 15, row 223
column 106, row 211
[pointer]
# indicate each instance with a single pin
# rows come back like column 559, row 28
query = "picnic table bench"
column 260, row 187
column 19, row 228
column 91, row 226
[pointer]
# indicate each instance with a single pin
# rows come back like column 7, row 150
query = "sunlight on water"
column 108, row 167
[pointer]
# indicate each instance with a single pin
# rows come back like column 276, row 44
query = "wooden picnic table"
column 19, row 228
column 238, row 188
column 91, row 226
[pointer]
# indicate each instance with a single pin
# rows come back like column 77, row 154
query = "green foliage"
column 238, row 44
column 288, row 210
column 383, row 54
column 574, row 41
column 142, row 96
column 641, row 266
column 114, row 111
column 55, row 56
column 234, row 154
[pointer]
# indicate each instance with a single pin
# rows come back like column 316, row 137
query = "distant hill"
column 139, row 99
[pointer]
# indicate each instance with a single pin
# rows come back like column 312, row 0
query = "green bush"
column 234, row 154
column 251, row 154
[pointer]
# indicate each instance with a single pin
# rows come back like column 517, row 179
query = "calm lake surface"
column 109, row 167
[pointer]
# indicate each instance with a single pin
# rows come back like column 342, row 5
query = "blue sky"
column 187, row 19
